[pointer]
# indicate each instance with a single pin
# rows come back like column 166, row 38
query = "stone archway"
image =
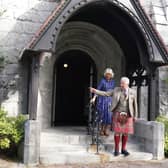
column 95, row 41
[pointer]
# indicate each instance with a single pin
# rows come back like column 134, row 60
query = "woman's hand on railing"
column 92, row 90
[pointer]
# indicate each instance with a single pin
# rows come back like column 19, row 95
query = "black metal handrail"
column 94, row 123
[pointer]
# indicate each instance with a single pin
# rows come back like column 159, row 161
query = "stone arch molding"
column 49, row 35
column 86, row 37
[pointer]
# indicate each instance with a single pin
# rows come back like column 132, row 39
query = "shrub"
column 11, row 132
column 164, row 120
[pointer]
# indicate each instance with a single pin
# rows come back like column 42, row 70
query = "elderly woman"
column 124, row 108
column 103, row 104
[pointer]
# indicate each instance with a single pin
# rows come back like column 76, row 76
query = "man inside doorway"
column 124, row 108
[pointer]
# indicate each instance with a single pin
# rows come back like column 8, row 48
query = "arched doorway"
column 75, row 72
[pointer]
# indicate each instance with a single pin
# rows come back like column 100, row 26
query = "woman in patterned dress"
column 103, row 104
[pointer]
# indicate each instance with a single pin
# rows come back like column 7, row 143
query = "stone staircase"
column 68, row 145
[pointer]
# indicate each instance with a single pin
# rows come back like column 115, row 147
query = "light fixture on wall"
column 65, row 65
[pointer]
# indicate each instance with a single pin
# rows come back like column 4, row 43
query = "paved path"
column 135, row 164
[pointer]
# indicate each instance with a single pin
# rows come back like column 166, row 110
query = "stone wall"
column 162, row 85
column 152, row 138
column 31, row 143
column 158, row 11
column 143, row 103
column 19, row 22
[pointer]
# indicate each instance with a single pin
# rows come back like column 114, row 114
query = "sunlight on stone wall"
column 158, row 11
column 19, row 21
column 11, row 10
column 11, row 105
column 163, row 90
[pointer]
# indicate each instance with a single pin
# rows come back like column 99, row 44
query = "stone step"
column 131, row 146
column 69, row 139
column 62, row 148
column 86, row 158
column 84, row 140
column 66, row 135
column 102, row 147
column 69, row 158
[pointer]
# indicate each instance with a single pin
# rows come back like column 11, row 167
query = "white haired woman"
column 103, row 104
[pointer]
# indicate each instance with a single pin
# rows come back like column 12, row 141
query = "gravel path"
column 136, row 164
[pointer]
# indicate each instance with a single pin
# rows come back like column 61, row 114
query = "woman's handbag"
column 122, row 118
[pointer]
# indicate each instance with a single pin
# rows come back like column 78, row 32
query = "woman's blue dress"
column 104, row 103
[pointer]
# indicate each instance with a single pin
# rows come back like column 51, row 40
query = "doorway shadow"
column 73, row 77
